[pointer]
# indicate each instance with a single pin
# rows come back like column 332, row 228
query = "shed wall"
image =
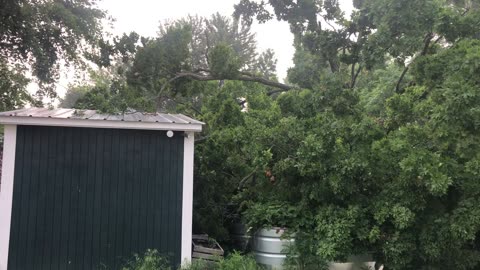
column 85, row 198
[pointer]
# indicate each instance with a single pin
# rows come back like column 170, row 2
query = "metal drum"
column 269, row 249
column 241, row 239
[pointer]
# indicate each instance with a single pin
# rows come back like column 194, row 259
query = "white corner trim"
column 187, row 198
column 87, row 123
column 6, row 191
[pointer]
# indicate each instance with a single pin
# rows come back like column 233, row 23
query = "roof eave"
column 88, row 123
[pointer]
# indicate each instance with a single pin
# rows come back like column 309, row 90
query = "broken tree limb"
column 206, row 75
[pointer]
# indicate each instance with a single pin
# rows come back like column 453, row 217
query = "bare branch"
column 354, row 80
column 244, row 179
column 428, row 39
column 426, row 46
column 352, row 74
column 397, row 86
column 264, row 81
column 244, row 76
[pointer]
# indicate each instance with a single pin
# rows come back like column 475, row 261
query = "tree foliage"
column 378, row 152
column 196, row 49
column 41, row 35
column 169, row 71
column 375, row 149
column 13, row 84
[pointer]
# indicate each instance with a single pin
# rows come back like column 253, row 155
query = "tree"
column 106, row 88
column 13, row 83
column 376, row 152
column 218, row 29
column 223, row 156
column 379, row 151
column 192, row 45
column 172, row 69
column 37, row 35
column 73, row 94
column 377, row 30
column 267, row 65
column 197, row 49
column 108, row 92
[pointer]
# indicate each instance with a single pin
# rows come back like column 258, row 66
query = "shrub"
column 238, row 262
column 151, row 260
column 196, row 265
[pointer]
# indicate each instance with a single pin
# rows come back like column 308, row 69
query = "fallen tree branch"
column 243, row 76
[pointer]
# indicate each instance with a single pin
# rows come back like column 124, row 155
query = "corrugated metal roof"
column 94, row 116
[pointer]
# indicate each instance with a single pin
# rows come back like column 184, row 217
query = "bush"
column 196, row 265
column 153, row 260
column 238, row 262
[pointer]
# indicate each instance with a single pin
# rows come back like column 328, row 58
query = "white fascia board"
column 6, row 191
column 187, row 198
column 86, row 123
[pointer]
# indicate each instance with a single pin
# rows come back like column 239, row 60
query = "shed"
column 84, row 190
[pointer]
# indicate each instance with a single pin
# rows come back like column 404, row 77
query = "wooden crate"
column 206, row 248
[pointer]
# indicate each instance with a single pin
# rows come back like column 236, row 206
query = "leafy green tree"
column 223, row 158
column 106, row 88
column 193, row 50
column 376, row 31
column 380, row 149
column 108, row 94
column 13, row 84
column 433, row 160
column 267, row 65
column 374, row 150
column 37, row 35
column 222, row 30
column 171, row 70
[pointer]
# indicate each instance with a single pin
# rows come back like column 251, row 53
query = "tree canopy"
column 372, row 147
column 38, row 37
column 378, row 152
column 169, row 70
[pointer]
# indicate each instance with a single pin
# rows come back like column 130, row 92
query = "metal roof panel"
column 92, row 115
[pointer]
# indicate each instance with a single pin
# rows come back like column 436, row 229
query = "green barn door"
column 89, row 198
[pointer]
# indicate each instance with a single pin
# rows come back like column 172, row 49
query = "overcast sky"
column 144, row 17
